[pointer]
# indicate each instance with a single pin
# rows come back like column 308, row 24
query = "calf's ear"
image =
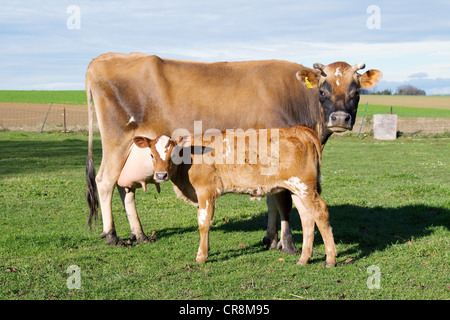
column 141, row 142
column 370, row 78
column 184, row 141
column 308, row 77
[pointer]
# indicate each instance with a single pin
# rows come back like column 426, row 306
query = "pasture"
column 389, row 205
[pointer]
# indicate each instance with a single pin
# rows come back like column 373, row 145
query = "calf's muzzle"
column 161, row 176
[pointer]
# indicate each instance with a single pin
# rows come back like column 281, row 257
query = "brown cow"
column 295, row 153
column 139, row 94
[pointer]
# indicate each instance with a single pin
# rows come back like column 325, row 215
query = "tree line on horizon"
column 405, row 90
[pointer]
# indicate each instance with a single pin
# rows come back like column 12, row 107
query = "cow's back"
column 161, row 95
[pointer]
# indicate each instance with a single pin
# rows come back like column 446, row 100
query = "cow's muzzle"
column 340, row 121
column 161, row 176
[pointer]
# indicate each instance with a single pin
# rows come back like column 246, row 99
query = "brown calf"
column 223, row 166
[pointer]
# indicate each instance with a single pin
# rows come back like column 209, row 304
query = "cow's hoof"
column 142, row 238
column 113, row 240
column 271, row 244
column 287, row 246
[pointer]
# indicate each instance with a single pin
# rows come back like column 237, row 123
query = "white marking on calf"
column 203, row 214
column 161, row 146
column 298, row 187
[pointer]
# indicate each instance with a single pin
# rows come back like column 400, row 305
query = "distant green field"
column 75, row 97
column 402, row 112
column 78, row 97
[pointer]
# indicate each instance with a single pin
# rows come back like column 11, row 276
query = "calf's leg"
column 316, row 207
column 205, row 215
column 307, row 221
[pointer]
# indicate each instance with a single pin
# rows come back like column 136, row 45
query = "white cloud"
column 38, row 51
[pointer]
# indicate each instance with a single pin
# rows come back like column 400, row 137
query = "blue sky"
column 409, row 44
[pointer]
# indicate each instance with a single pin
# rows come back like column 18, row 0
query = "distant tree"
column 386, row 92
column 410, row 90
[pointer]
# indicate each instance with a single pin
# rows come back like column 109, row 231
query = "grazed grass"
column 388, row 200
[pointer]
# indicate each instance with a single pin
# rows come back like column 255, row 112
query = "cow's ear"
column 370, row 78
column 141, row 142
column 308, row 78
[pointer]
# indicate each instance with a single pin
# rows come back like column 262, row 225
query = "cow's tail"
column 317, row 146
column 91, row 185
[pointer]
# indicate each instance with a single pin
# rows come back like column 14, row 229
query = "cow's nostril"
column 333, row 118
column 347, row 118
column 161, row 175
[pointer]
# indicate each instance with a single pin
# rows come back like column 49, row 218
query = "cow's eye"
column 322, row 93
column 355, row 94
column 153, row 157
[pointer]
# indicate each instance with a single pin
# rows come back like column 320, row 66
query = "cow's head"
column 161, row 150
column 338, row 89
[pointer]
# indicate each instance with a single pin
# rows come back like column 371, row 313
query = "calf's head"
column 161, row 150
column 338, row 89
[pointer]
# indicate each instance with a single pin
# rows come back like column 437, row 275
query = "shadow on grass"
column 366, row 229
column 28, row 156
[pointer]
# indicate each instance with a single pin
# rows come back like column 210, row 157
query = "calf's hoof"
column 329, row 265
column 200, row 259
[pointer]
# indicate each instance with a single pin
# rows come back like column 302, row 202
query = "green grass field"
column 402, row 112
column 388, row 201
column 74, row 97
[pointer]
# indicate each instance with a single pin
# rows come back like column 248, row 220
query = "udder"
column 138, row 169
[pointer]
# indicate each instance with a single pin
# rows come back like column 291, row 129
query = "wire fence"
column 60, row 117
column 44, row 117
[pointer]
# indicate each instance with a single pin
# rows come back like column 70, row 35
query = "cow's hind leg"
column 110, row 168
column 279, row 203
column 128, row 200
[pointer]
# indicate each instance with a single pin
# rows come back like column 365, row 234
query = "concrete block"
column 385, row 126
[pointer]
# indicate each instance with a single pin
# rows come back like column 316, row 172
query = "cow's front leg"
column 129, row 203
column 280, row 203
column 271, row 238
column 205, row 215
